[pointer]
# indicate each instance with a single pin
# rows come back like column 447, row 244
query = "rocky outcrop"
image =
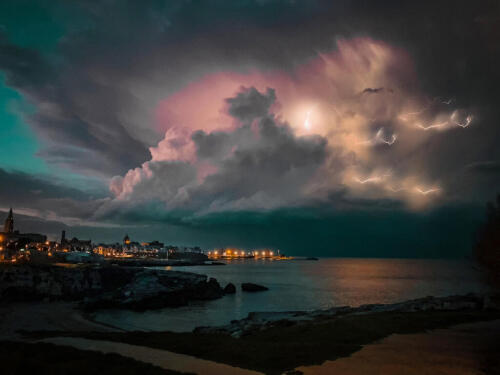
column 153, row 289
column 105, row 287
column 27, row 282
column 250, row 287
column 229, row 289
column 258, row 321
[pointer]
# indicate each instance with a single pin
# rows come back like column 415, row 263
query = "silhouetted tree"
column 488, row 242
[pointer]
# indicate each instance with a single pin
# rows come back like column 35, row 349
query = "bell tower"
column 8, row 226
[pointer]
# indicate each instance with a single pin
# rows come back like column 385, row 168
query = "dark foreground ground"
column 275, row 350
column 19, row 358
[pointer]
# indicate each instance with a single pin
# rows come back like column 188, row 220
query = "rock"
column 259, row 321
column 250, row 287
column 105, row 287
column 229, row 289
column 209, row 290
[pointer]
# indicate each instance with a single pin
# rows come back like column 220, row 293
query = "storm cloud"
column 190, row 110
column 261, row 164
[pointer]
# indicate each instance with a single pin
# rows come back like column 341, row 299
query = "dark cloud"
column 96, row 98
column 78, row 117
column 260, row 164
column 250, row 104
column 370, row 90
column 488, row 166
column 45, row 198
column 266, row 173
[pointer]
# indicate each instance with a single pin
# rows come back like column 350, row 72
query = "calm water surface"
column 307, row 285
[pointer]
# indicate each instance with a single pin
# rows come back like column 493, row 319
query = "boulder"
column 250, row 287
column 209, row 290
column 229, row 289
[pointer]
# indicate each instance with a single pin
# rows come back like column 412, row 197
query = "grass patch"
column 18, row 358
column 283, row 348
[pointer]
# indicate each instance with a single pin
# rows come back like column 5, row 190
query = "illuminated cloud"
column 291, row 139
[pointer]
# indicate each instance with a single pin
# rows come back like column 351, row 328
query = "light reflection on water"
column 307, row 285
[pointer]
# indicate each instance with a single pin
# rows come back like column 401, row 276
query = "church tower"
column 8, row 226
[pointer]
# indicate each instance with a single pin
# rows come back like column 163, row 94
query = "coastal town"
column 16, row 246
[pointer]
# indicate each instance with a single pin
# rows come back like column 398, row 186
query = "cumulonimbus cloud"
column 286, row 139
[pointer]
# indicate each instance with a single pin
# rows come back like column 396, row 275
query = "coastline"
column 308, row 344
column 305, row 338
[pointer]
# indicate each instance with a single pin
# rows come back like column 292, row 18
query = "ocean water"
column 307, row 285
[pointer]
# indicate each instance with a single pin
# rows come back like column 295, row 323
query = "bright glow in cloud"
column 307, row 121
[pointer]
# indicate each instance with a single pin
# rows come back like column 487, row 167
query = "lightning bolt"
column 307, row 121
column 428, row 191
column 379, row 138
column 467, row 122
column 433, row 126
column 452, row 121
column 389, row 142
column 367, row 180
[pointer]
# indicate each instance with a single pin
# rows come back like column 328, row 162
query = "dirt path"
column 464, row 349
column 158, row 357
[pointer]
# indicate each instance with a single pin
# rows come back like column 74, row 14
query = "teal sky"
column 18, row 142
column 39, row 26
column 31, row 25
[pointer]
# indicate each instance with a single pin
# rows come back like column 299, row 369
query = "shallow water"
column 307, row 285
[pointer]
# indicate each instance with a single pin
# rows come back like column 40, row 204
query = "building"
column 126, row 242
column 12, row 240
column 8, row 226
column 75, row 244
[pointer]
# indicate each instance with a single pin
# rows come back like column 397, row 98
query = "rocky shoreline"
column 261, row 321
column 95, row 287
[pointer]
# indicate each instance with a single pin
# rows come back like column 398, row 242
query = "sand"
column 162, row 358
column 45, row 316
column 462, row 349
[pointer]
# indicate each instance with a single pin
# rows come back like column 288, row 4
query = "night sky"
column 334, row 128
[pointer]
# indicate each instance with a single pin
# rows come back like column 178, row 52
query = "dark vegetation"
column 47, row 359
column 488, row 243
column 285, row 347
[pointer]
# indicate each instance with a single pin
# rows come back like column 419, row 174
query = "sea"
column 297, row 285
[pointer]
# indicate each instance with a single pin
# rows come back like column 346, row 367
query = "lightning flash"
column 380, row 139
column 427, row 191
column 307, row 121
